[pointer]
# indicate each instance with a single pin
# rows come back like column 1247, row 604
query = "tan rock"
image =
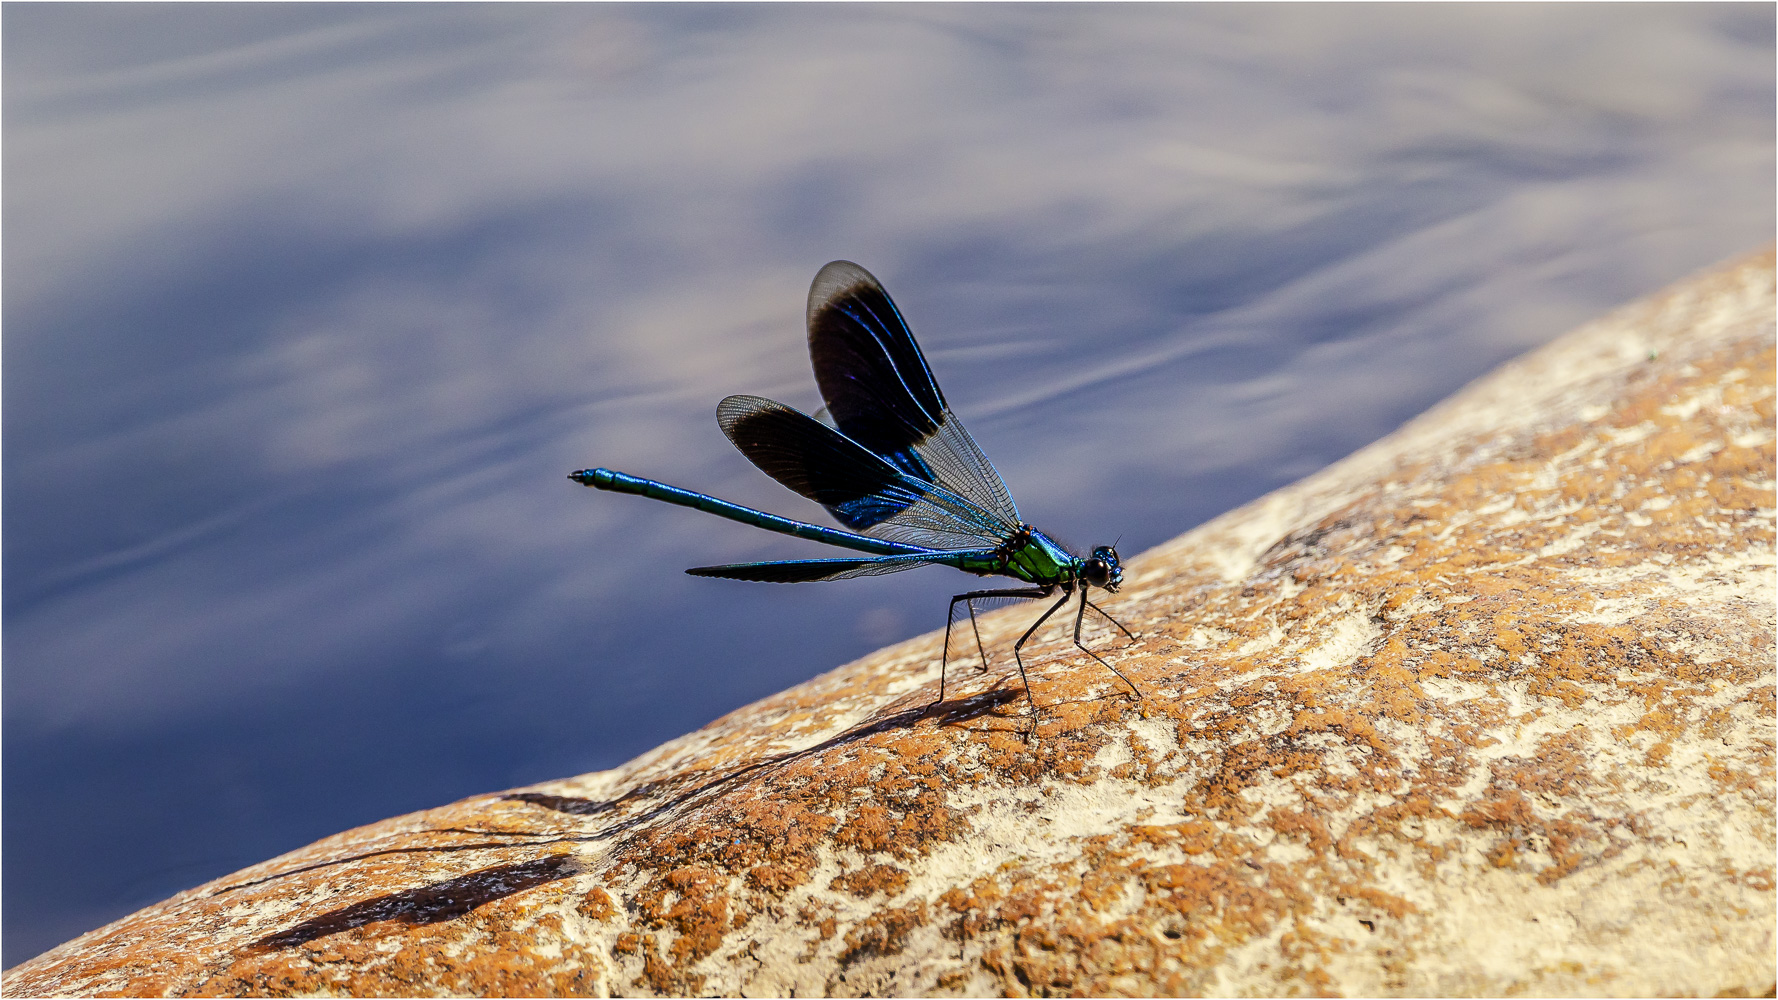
column 1485, row 708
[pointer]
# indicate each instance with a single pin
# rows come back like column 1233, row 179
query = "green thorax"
column 1031, row 556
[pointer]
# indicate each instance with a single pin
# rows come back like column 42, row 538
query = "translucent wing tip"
column 835, row 279
column 734, row 409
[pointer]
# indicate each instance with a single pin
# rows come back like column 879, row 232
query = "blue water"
column 310, row 309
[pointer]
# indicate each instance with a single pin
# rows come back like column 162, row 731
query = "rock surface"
column 1486, row 708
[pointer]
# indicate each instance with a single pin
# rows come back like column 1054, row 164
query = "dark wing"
column 812, row 570
column 882, row 395
column 859, row 487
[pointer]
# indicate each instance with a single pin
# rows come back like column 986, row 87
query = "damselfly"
column 892, row 463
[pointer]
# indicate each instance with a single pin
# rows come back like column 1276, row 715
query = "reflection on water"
column 309, row 310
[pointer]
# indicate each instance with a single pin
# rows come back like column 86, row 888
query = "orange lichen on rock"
column 1486, row 708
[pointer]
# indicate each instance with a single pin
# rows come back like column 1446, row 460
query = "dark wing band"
column 812, row 570
column 881, row 393
column 860, row 488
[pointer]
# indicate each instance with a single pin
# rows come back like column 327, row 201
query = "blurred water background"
column 310, row 309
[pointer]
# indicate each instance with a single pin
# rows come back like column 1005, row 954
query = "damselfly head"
column 1101, row 569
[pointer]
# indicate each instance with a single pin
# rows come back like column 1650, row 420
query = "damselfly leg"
column 968, row 600
column 1079, row 617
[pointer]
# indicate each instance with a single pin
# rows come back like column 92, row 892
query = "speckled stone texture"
column 1486, row 708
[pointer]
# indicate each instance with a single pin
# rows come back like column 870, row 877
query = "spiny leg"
column 980, row 649
column 1066, row 594
column 1114, row 621
column 1079, row 618
column 969, row 599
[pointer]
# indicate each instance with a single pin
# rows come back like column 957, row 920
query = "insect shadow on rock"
column 893, row 464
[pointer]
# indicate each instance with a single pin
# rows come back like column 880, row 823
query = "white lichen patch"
column 1342, row 642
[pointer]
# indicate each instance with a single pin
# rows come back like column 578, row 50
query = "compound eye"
column 1096, row 572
